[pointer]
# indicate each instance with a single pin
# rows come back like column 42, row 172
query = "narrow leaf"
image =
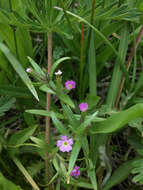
column 18, row 68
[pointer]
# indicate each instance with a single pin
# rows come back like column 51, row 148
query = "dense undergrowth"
column 71, row 100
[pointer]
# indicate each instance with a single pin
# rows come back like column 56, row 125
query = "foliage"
column 98, row 45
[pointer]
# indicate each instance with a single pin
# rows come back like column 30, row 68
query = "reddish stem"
column 47, row 132
column 48, row 95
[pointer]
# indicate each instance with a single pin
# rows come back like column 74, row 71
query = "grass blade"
column 25, row 173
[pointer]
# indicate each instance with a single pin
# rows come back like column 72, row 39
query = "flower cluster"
column 65, row 143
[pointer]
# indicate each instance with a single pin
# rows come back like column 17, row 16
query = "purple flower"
column 75, row 172
column 70, row 84
column 65, row 144
column 83, row 106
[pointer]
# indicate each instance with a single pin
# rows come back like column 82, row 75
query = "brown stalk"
column 140, row 35
column 47, row 132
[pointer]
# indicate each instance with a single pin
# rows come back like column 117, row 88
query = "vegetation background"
column 96, row 43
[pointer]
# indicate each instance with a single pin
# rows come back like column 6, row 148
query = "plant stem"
column 140, row 35
column 49, row 64
column 81, row 59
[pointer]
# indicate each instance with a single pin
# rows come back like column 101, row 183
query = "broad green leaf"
column 6, row 184
column 118, row 120
column 19, row 69
column 119, row 175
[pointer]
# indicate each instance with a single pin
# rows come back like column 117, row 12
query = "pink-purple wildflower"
column 70, row 84
column 65, row 144
column 83, row 106
column 75, row 172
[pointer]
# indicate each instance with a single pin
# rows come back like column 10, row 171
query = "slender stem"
column 48, row 101
column 48, row 95
column 81, row 58
column 92, row 14
column 140, row 35
column 127, row 154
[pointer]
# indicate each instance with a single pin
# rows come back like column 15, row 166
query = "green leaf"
column 6, row 184
column 55, row 65
column 102, row 36
column 74, row 155
column 36, row 67
column 92, row 100
column 70, row 116
column 7, row 34
column 45, row 113
column 19, row 138
column 66, row 99
column 84, row 185
column 14, row 91
column 117, row 73
column 45, row 88
column 92, row 65
column 118, row 120
column 35, row 168
column 25, row 173
column 60, row 127
column 18, row 68
column 92, row 175
column 6, row 103
column 138, row 170
column 119, row 175
column 85, row 124
column 24, row 45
